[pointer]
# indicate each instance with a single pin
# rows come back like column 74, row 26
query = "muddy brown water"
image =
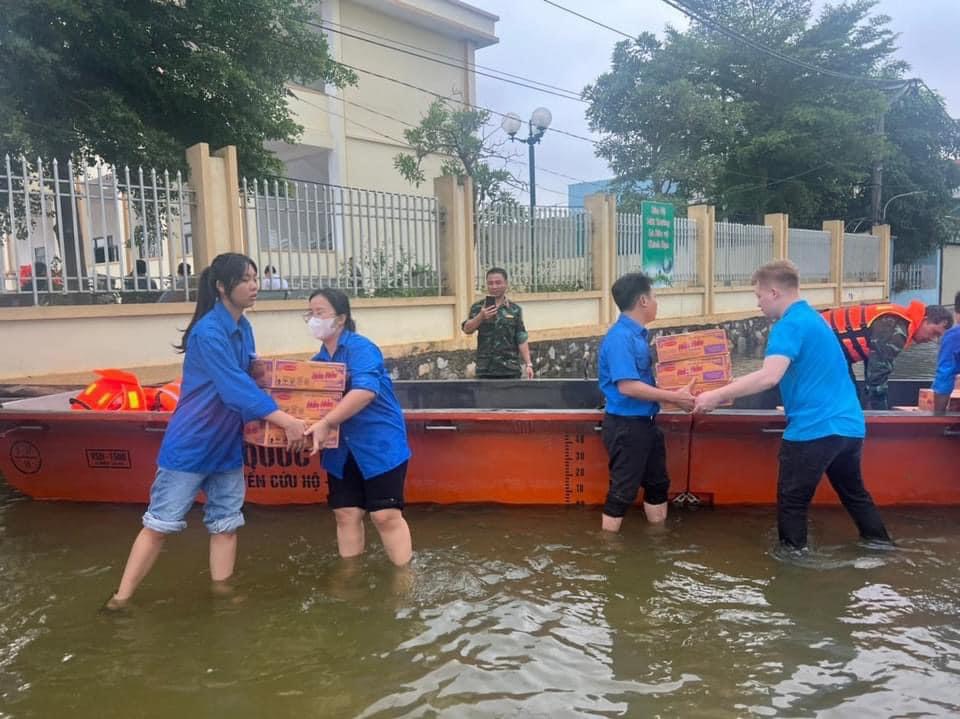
column 507, row 612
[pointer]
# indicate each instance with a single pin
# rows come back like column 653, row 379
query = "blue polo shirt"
column 948, row 362
column 376, row 436
column 818, row 397
column 625, row 354
column 217, row 396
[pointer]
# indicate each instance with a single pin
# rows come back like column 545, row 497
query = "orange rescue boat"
column 471, row 443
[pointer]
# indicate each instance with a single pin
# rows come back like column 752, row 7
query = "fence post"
column 705, row 217
column 780, row 223
column 603, row 226
column 216, row 223
column 456, row 243
column 835, row 228
column 883, row 232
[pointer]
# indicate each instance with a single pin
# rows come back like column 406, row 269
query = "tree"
column 717, row 121
column 919, row 176
column 456, row 133
column 138, row 82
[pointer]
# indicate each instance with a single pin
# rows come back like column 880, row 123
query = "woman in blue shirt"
column 366, row 472
column 203, row 445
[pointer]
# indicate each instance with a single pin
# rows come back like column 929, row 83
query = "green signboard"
column 658, row 241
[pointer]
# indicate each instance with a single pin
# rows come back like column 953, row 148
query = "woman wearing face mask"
column 202, row 448
column 366, row 473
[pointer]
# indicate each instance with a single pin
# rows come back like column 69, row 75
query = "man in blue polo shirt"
column 948, row 363
column 825, row 425
column 634, row 443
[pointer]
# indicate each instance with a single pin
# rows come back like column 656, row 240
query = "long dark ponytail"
column 228, row 269
column 340, row 302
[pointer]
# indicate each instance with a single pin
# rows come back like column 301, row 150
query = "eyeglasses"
column 308, row 315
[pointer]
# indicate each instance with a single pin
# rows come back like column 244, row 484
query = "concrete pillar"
column 455, row 199
column 780, row 222
column 835, row 228
column 603, row 228
column 886, row 252
column 706, row 218
column 216, row 221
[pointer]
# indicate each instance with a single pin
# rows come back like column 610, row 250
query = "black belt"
column 631, row 418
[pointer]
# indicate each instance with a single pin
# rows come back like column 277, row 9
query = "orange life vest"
column 852, row 325
column 114, row 390
column 165, row 398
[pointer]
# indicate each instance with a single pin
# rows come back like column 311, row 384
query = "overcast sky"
column 542, row 42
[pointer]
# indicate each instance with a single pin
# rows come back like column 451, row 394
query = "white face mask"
column 322, row 327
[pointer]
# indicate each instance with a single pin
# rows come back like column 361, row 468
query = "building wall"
column 347, row 138
column 951, row 274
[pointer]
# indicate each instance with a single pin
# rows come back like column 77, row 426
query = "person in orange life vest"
column 202, row 448
column 877, row 334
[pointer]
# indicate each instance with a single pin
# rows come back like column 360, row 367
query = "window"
column 105, row 250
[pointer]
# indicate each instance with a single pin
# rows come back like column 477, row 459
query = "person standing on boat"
column 948, row 363
column 202, row 449
column 877, row 334
column 367, row 471
column 503, row 351
column 825, row 424
column 635, row 445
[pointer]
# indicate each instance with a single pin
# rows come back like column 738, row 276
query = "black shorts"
column 638, row 458
column 384, row 491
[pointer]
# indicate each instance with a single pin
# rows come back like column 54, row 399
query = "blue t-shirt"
column 376, row 436
column 217, row 396
column 819, row 398
column 625, row 355
column 948, row 362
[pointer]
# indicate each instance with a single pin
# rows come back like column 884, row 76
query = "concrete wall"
column 950, row 269
column 60, row 340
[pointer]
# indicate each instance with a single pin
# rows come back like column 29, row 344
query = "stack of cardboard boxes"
column 306, row 390
column 702, row 357
column 925, row 401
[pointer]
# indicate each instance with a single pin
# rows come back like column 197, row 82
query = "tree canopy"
column 457, row 134
column 138, row 82
column 717, row 121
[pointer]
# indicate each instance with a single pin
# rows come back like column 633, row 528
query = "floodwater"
column 507, row 612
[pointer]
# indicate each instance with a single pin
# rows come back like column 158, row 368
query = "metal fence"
column 629, row 248
column 74, row 234
column 810, row 251
column 367, row 242
column 740, row 250
column 861, row 258
column 554, row 253
column 915, row 276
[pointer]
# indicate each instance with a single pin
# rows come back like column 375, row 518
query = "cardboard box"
column 703, row 370
column 299, row 374
column 304, row 403
column 925, row 401
column 266, row 434
column 690, row 345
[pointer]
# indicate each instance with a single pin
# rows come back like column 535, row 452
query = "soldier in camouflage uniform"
column 886, row 337
column 502, row 348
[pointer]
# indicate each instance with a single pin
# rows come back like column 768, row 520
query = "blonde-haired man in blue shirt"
column 825, row 425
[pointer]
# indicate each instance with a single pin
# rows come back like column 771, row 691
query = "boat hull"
column 467, row 455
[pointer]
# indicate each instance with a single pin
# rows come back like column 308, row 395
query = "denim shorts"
column 174, row 492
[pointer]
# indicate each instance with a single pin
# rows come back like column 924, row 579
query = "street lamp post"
column 883, row 215
column 539, row 121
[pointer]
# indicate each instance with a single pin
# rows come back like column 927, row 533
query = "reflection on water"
column 506, row 612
